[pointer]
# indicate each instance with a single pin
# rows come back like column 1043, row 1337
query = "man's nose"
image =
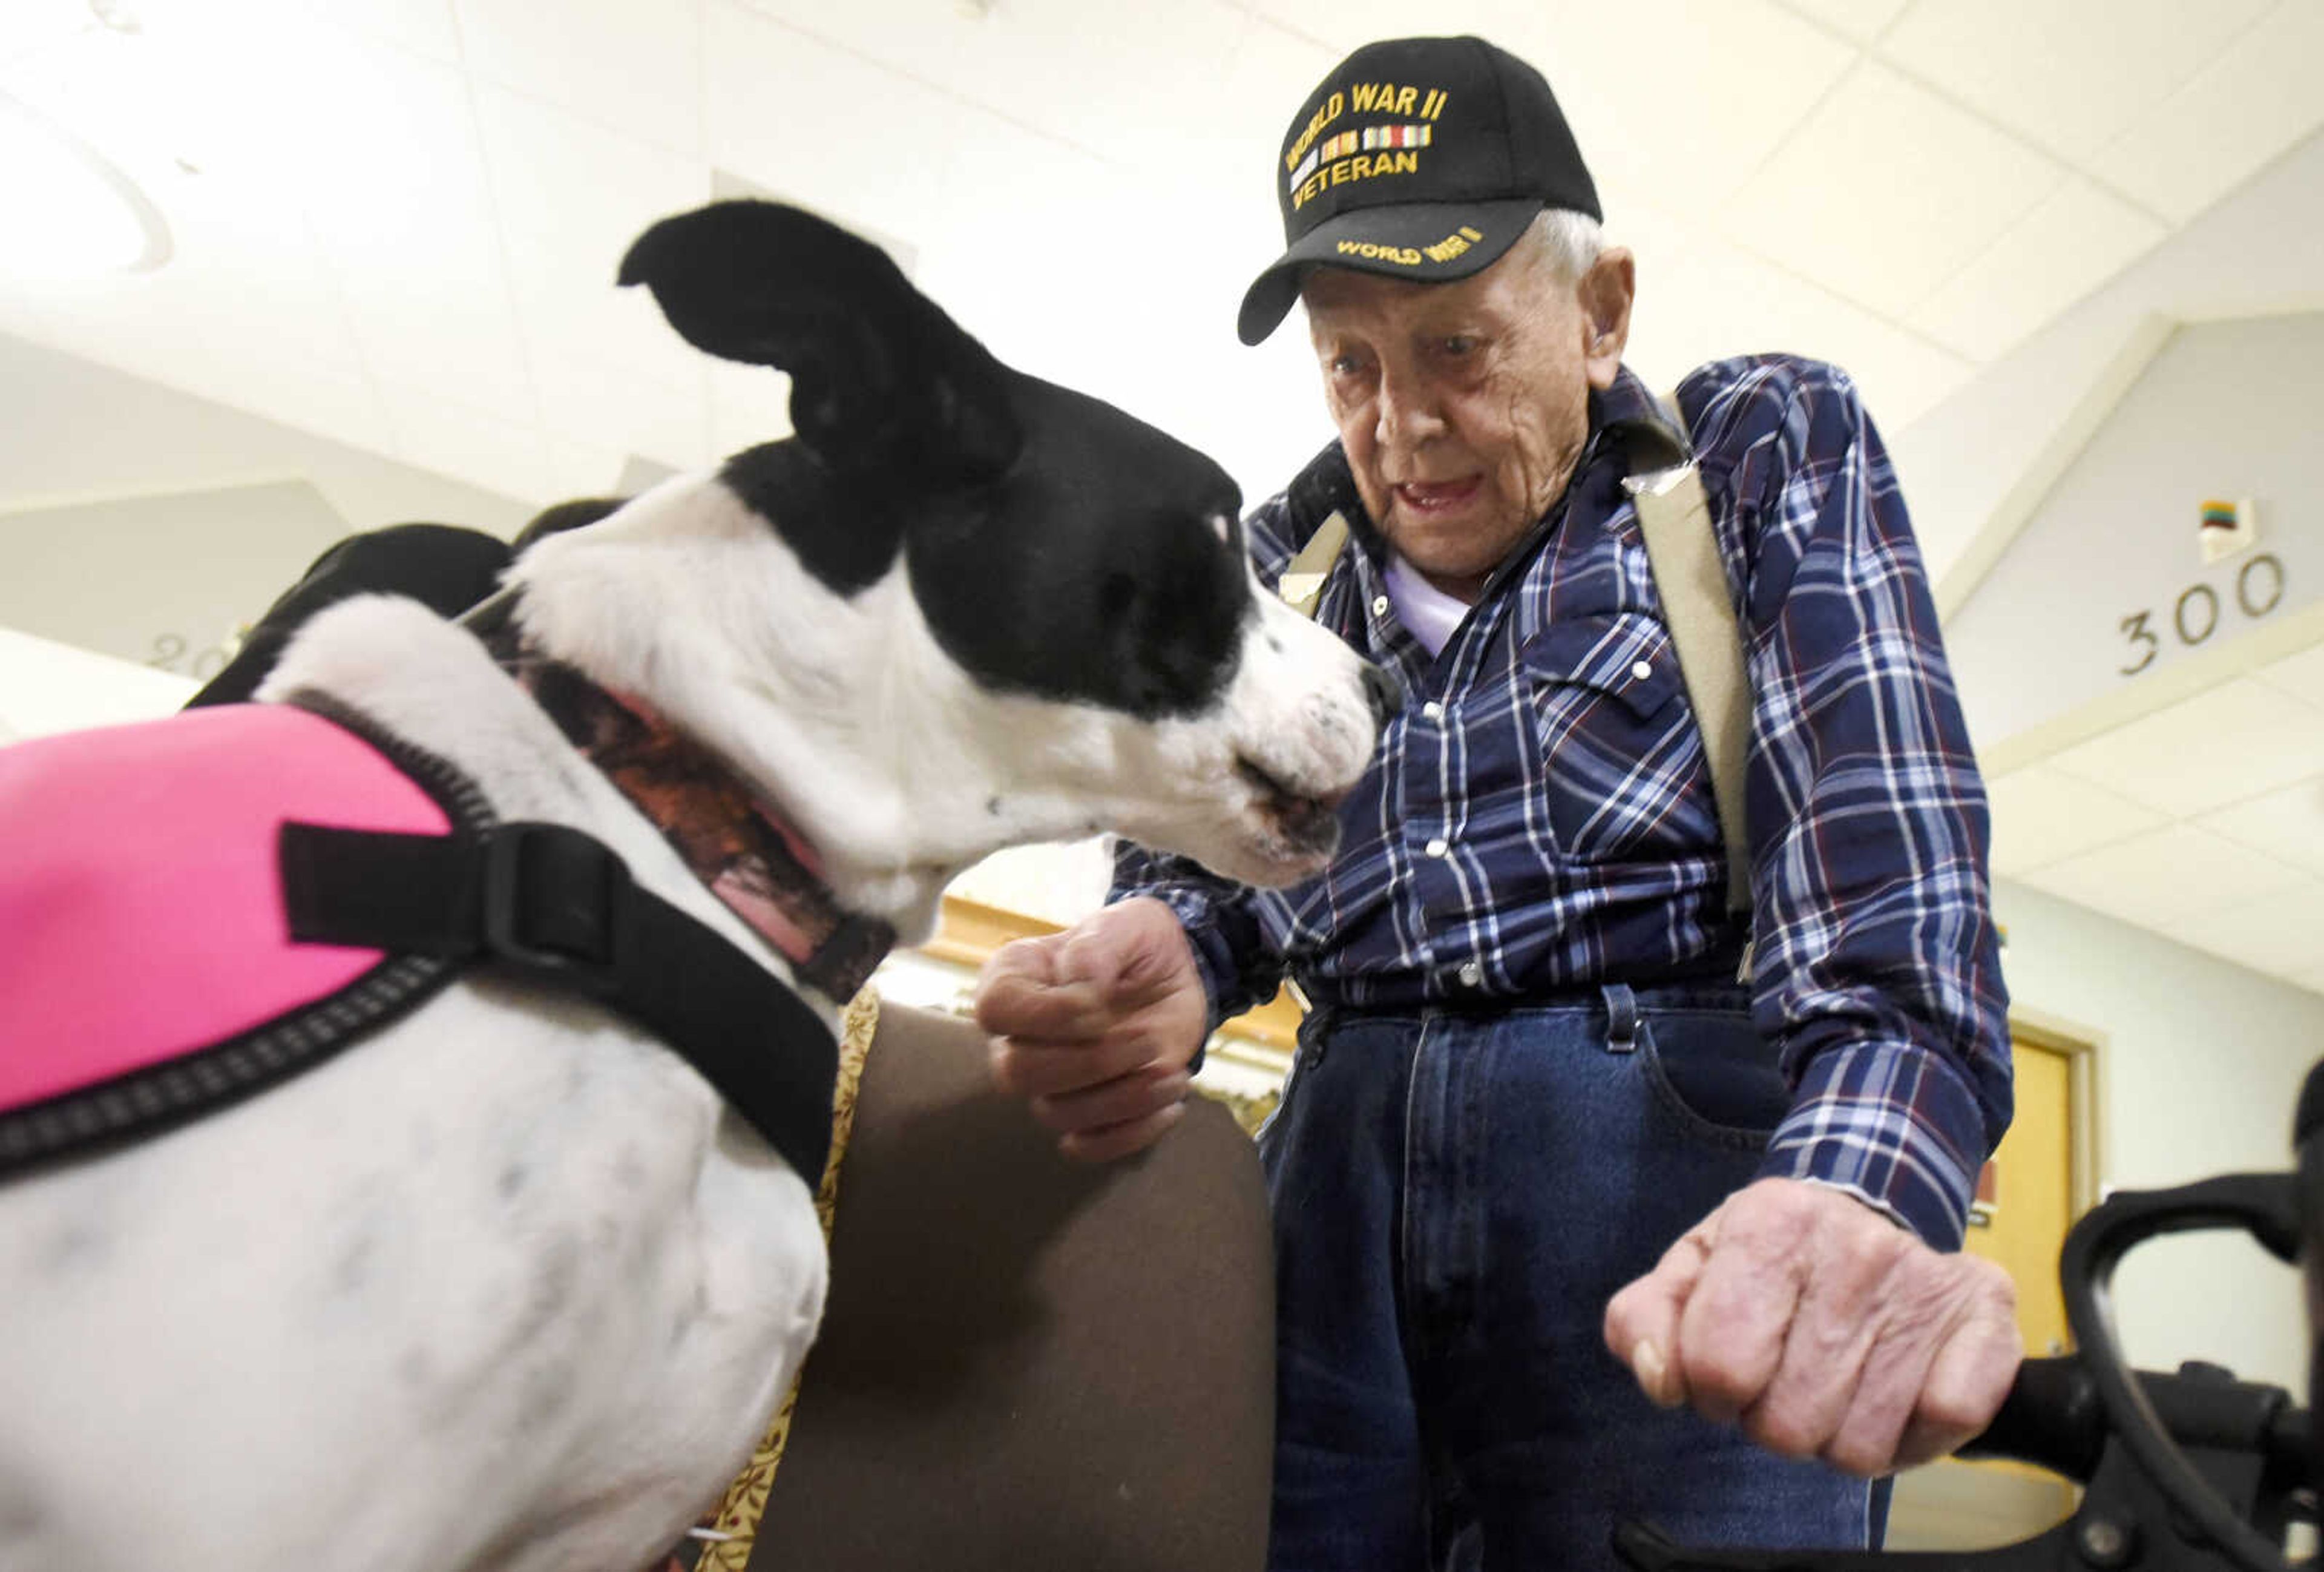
column 1383, row 689
column 1404, row 417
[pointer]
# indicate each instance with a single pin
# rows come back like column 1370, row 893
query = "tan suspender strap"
column 1682, row 553
column 1303, row 577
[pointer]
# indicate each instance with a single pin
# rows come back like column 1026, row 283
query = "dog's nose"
column 1385, row 690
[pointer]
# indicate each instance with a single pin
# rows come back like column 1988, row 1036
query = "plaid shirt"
column 1539, row 819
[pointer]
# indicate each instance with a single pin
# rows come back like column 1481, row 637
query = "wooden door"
column 2032, row 1189
column 2038, row 1185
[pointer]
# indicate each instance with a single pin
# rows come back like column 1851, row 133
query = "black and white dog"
column 507, row 1285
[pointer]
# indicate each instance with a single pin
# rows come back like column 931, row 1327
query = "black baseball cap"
column 1419, row 158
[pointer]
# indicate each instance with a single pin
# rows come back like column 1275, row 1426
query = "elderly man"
column 1545, row 1059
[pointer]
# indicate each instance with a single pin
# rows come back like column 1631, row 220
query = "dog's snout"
column 1385, row 690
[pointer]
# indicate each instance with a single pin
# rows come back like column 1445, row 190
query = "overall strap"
column 1683, row 555
column 1302, row 583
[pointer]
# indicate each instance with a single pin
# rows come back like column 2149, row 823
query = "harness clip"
column 556, row 905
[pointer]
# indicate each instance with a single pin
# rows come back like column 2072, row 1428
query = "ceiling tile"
column 2002, row 58
column 634, row 65
column 2059, row 253
column 1747, row 67
column 389, row 178
column 270, row 377
column 571, row 198
column 1887, row 190
column 2252, row 102
column 1861, row 20
column 1056, row 66
column 31, row 24
column 2300, row 675
column 425, row 331
column 2041, row 817
column 1345, row 25
column 467, row 443
column 820, row 126
column 2168, row 877
column 422, row 27
column 586, row 402
column 561, row 180
column 2240, row 740
column 385, row 159
column 2282, row 934
column 1702, row 299
column 2286, row 825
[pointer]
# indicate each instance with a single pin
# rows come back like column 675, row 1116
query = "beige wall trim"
column 192, row 486
column 2285, row 634
column 2018, row 506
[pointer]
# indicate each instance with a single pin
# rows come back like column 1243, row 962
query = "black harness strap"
column 556, row 905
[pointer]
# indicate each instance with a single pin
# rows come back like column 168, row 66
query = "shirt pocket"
column 1620, row 756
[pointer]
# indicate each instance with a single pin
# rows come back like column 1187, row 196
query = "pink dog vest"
column 194, row 909
column 147, row 964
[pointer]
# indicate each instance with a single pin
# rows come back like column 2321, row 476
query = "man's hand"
column 1822, row 1328
column 1096, row 1026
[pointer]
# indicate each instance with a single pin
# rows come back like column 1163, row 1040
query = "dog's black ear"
column 882, row 381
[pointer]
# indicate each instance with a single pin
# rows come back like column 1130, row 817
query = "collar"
column 736, row 842
column 1651, row 433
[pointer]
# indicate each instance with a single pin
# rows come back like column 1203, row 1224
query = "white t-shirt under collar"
column 1427, row 611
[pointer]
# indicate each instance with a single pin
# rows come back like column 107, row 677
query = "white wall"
column 78, row 432
column 2200, row 1068
column 2225, row 410
column 47, row 687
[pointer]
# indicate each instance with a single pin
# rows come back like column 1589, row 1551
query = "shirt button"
column 1439, row 846
column 1379, row 606
column 1432, row 710
column 1643, row 670
column 1472, row 974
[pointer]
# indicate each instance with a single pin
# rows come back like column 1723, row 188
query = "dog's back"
column 508, row 1254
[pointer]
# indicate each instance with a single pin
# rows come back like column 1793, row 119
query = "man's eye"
column 1345, row 365
column 1457, row 344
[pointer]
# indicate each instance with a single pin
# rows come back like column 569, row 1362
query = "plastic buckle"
column 506, row 849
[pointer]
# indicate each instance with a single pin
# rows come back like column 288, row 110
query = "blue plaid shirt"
column 1539, row 817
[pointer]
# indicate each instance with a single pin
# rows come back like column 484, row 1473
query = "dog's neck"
column 840, row 708
column 736, row 842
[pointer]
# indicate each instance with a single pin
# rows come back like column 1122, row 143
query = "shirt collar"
column 1650, row 431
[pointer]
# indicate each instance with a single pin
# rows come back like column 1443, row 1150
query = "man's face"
column 1463, row 406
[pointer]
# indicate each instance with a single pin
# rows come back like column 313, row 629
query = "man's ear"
column 882, row 381
column 1605, row 293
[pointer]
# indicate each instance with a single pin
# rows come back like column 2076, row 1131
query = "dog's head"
column 1032, row 613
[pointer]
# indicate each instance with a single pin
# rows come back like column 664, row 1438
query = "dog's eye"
column 1223, row 527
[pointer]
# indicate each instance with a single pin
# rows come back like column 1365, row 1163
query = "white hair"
column 1566, row 242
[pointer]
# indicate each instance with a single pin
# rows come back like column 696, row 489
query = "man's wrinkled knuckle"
column 1864, row 1459
column 1718, row 1385
column 1785, row 1433
column 1955, row 1412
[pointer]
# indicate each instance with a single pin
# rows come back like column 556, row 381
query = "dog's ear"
column 882, row 381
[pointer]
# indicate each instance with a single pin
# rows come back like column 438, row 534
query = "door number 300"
column 2195, row 615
